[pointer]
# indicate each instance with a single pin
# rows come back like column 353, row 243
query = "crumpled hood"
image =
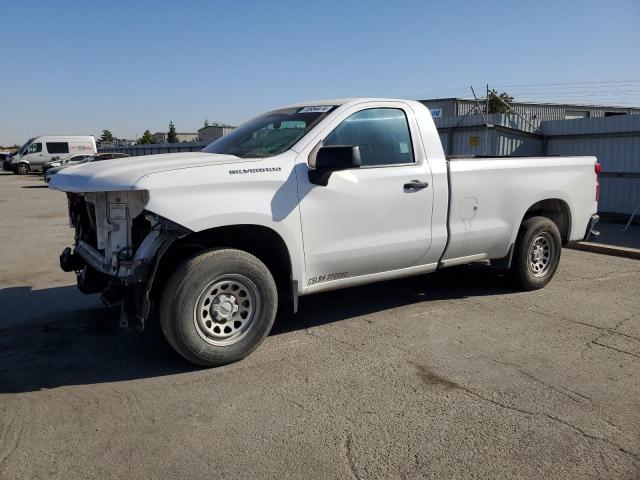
column 122, row 173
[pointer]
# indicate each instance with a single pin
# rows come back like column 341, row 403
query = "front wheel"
column 537, row 253
column 22, row 169
column 218, row 306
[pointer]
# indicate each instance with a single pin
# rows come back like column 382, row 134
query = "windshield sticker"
column 316, row 109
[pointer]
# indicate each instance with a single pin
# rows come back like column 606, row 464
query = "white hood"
column 122, row 173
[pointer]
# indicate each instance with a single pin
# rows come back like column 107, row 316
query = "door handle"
column 415, row 185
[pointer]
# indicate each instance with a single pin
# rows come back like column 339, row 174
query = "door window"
column 35, row 148
column 57, row 147
column 381, row 133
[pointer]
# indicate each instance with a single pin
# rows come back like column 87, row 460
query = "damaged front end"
column 118, row 246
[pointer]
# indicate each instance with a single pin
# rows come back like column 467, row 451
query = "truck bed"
column 488, row 195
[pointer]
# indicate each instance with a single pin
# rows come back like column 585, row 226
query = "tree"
column 107, row 136
column 172, row 136
column 146, row 138
column 206, row 123
column 497, row 106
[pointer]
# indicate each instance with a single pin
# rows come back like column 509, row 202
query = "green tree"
column 107, row 136
column 497, row 106
column 172, row 136
column 146, row 138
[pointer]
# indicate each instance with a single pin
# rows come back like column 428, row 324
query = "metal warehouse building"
column 452, row 107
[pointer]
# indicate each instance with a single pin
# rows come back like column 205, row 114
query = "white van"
column 40, row 150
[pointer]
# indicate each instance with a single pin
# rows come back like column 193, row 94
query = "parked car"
column 39, row 150
column 50, row 172
column 6, row 160
column 304, row 199
column 58, row 162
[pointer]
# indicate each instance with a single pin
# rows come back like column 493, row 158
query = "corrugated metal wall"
column 508, row 135
column 448, row 106
column 532, row 111
column 542, row 112
column 616, row 143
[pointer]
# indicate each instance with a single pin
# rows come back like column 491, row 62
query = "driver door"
column 367, row 220
column 35, row 155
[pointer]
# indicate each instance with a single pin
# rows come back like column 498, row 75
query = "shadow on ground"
column 56, row 342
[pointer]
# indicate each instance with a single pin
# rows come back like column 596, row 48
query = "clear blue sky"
column 77, row 67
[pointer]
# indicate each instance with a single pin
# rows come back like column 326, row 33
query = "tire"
column 537, row 253
column 218, row 306
column 23, row 169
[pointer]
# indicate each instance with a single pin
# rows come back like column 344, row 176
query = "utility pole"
column 486, row 125
column 484, row 117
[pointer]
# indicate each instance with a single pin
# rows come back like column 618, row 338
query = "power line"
column 567, row 83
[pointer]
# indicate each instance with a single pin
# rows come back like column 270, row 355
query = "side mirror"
column 332, row 158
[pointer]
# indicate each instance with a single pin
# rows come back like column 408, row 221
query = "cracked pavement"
column 449, row 375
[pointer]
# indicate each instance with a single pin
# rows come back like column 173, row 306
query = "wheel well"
column 556, row 210
column 262, row 242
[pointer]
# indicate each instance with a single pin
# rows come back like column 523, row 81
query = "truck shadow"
column 52, row 337
column 458, row 282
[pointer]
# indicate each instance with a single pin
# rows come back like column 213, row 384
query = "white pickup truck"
column 307, row 198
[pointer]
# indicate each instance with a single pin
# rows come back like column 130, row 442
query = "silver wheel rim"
column 541, row 253
column 226, row 309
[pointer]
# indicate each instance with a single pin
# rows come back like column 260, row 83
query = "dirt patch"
column 431, row 378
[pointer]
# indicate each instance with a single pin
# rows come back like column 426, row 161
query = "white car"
column 67, row 161
column 38, row 151
column 51, row 170
column 308, row 198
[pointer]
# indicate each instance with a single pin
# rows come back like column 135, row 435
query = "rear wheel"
column 22, row 169
column 536, row 254
column 218, row 306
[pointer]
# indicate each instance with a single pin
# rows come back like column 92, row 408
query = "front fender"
column 205, row 198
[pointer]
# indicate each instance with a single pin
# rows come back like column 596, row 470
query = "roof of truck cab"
column 342, row 101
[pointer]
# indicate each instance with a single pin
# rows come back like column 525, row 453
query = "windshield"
column 270, row 134
column 23, row 148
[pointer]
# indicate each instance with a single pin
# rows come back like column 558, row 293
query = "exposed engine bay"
column 117, row 246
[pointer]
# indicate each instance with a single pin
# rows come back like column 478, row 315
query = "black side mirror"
column 333, row 158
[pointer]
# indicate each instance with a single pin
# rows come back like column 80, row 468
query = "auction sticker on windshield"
column 316, row 109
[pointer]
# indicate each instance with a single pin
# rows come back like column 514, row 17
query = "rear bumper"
column 590, row 233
